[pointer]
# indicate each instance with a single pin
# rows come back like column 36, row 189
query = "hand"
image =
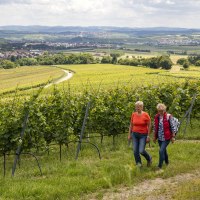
column 148, row 139
column 154, row 140
column 129, row 137
column 173, row 139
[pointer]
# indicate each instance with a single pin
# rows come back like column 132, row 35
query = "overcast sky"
column 122, row 13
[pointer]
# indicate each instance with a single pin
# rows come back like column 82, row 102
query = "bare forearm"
column 149, row 128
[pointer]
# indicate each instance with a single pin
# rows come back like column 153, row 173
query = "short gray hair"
column 161, row 106
column 139, row 103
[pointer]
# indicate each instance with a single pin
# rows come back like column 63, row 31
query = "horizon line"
column 74, row 26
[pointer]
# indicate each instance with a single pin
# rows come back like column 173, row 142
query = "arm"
column 129, row 133
column 130, row 128
column 149, row 127
column 149, row 130
column 155, row 134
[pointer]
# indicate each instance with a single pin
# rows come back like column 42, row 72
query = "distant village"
column 20, row 54
column 31, row 49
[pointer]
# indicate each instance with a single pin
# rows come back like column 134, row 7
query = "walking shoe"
column 159, row 170
column 149, row 163
column 139, row 165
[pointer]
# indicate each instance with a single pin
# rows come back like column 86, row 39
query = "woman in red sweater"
column 140, row 128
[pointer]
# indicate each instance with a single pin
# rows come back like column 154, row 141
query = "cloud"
column 170, row 2
column 15, row 2
column 132, row 13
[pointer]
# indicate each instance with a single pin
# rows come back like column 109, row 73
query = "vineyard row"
column 58, row 117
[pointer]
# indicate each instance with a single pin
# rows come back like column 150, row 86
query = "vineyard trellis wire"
column 19, row 149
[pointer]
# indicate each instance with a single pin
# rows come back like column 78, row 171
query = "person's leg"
column 162, row 152
column 142, row 144
column 166, row 158
column 166, row 155
column 136, row 148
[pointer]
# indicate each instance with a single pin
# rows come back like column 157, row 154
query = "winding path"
column 175, row 69
column 67, row 76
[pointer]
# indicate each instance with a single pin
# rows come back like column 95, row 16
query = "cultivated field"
column 91, row 76
column 27, row 77
column 107, row 76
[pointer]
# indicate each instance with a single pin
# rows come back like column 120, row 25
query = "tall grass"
column 70, row 179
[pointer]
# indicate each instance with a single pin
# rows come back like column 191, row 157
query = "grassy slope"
column 71, row 179
column 27, row 76
column 108, row 75
column 91, row 76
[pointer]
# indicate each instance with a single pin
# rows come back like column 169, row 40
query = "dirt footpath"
column 149, row 187
column 66, row 76
column 175, row 69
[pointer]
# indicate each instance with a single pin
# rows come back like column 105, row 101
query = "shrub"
column 186, row 65
column 181, row 61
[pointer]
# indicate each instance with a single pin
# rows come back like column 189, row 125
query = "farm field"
column 191, row 74
column 173, row 57
column 91, row 76
column 27, row 77
column 130, row 54
column 156, row 50
column 107, row 76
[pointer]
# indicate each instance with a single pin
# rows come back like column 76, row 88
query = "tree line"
column 49, row 59
column 191, row 60
column 46, row 58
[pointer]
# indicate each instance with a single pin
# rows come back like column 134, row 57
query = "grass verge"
column 70, row 179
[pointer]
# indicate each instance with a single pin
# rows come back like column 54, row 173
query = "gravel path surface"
column 148, row 187
column 67, row 76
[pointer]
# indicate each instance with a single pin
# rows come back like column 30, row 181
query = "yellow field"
column 92, row 76
column 139, row 55
column 108, row 76
column 174, row 58
column 192, row 68
column 27, row 76
column 178, row 71
column 187, row 74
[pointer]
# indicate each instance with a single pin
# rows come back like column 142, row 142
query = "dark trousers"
column 139, row 143
column 163, row 156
